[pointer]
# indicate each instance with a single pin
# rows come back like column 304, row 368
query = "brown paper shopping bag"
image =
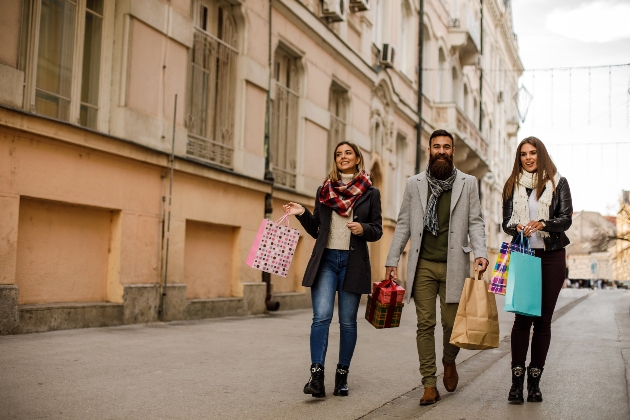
column 477, row 321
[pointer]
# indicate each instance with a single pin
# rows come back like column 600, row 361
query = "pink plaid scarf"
column 341, row 197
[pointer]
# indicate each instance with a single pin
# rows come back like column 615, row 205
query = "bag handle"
column 284, row 219
column 524, row 241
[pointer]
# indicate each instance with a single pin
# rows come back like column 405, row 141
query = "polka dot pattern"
column 275, row 249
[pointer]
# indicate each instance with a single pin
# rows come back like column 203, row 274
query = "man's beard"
column 441, row 169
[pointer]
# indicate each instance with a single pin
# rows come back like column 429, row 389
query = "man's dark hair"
column 441, row 133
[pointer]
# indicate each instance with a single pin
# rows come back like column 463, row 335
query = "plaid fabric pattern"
column 380, row 314
column 341, row 197
column 498, row 283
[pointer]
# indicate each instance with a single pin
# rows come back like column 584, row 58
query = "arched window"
column 284, row 118
column 377, row 28
column 338, row 108
column 407, row 38
column 377, row 136
column 442, row 77
column 427, row 76
column 466, row 101
column 212, row 84
column 455, row 95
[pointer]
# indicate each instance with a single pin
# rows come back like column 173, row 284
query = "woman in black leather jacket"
column 537, row 202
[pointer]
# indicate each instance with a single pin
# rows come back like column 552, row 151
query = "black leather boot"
column 533, row 384
column 341, row 380
column 315, row 385
column 518, row 379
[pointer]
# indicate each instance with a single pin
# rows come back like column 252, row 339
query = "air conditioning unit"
column 334, row 10
column 388, row 54
column 500, row 97
column 359, row 5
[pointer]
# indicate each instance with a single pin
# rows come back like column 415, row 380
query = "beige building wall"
column 85, row 194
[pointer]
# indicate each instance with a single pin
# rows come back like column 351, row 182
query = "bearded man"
column 442, row 215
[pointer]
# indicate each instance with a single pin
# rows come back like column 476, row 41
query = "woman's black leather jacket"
column 560, row 217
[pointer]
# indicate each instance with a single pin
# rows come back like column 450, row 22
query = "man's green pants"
column 430, row 281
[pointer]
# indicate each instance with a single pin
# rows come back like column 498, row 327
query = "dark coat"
column 560, row 217
column 367, row 211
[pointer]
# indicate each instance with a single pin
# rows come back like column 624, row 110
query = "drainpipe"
column 420, row 97
column 481, row 73
column 266, row 277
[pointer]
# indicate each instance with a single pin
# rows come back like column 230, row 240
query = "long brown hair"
column 334, row 171
column 544, row 164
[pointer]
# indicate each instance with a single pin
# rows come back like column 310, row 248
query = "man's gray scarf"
column 437, row 186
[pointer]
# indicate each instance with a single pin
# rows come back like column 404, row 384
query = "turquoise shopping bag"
column 524, row 284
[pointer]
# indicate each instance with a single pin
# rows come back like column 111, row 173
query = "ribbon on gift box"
column 387, row 287
column 392, row 302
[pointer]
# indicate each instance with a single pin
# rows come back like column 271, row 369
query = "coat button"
column 351, row 248
column 356, row 217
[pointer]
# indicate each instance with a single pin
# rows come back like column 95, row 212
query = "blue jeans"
column 332, row 270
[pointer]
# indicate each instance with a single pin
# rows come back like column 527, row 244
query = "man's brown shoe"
column 450, row 376
column 431, row 396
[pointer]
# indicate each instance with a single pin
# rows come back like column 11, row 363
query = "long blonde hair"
column 334, row 171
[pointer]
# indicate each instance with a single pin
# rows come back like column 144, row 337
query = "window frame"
column 212, row 33
column 30, row 54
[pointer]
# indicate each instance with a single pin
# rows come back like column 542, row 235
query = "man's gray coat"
column 466, row 231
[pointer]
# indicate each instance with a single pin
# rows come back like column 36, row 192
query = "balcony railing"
column 454, row 120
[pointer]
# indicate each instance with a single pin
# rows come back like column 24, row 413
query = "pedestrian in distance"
column 441, row 213
column 346, row 216
column 537, row 202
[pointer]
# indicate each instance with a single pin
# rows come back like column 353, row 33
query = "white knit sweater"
column 339, row 234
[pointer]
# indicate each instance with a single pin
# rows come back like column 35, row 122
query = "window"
column 377, row 29
column 61, row 58
column 442, row 77
column 337, row 106
column 466, row 101
column 212, row 85
column 401, row 160
column 407, row 38
column 284, row 119
column 455, row 87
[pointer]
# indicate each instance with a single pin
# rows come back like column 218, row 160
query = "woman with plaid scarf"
column 346, row 216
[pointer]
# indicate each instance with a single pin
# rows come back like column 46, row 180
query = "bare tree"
column 602, row 239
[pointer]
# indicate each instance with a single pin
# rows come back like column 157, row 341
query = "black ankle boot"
column 533, row 384
column 341, row 380
column 315, row 385
column 516, row 392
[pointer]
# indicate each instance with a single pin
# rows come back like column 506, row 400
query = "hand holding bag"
column 524, row 286
column 498, row 283
column 274, row 246
column 476, row 324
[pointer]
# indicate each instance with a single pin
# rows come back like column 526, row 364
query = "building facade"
column 96, row 95
column 586, row 260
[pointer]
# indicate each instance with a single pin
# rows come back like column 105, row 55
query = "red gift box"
column 386, row 290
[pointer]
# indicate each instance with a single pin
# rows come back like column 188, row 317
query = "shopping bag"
column 524, row 284
column 498, row 283
column 274, row 246
column 499, row 275
column 476, row 324
column 384, row 315
column 387, row 287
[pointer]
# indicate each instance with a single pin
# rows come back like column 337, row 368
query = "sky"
column 582, row 115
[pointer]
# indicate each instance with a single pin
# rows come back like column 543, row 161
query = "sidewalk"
column 255, row 368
